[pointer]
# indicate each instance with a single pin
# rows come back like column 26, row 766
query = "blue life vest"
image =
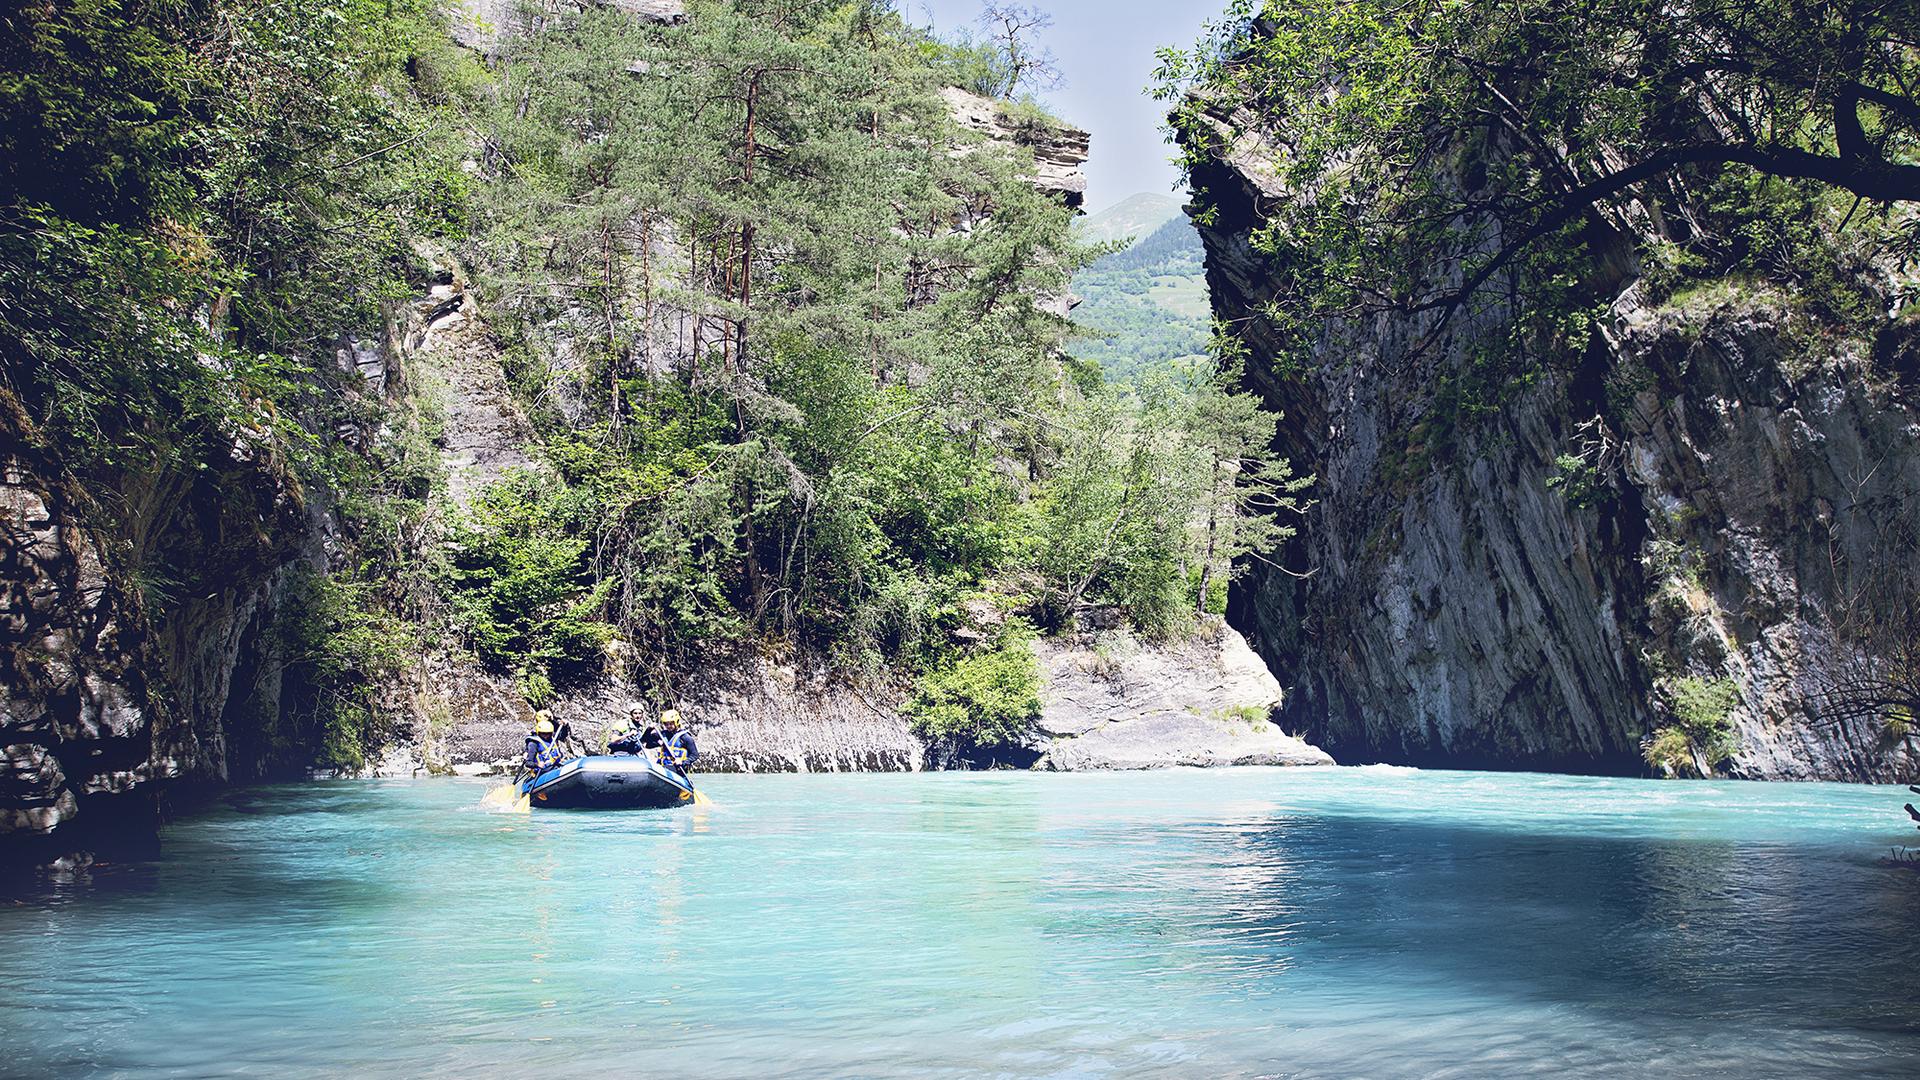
column 680, row 749
column 543, row 755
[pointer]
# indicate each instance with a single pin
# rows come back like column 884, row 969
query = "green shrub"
column 1577, row 479
column 521, row 588
column 1254, row 716
column 990, row 698
column 1669, row 752
column 1703, row 712
column 336, row 647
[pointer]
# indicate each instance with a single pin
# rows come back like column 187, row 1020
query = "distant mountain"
column 1135, row 215
column 1145, row 308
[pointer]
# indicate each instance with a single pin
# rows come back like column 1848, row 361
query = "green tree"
column 1114, row 514
column 1246, row 492
column 798, row 335
column 1433, row 147
column 988, row 699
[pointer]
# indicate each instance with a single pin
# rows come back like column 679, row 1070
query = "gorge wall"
column 1455, row 597
column 120, row 688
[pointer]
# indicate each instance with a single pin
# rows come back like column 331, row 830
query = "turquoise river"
column 1327, row 922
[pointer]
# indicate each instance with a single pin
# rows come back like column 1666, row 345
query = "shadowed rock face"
column 98, row 705
column 75, row 714
column 1464, row 610
column 1059, row 151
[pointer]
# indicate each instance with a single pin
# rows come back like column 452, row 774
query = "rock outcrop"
column 1058, row 151
column 76, row 713
column 1110, row 704
column 107, row 702
column 453, row 363
column 482, row 25
column 1706, row 491
column 1114, row 704
column 749, row 716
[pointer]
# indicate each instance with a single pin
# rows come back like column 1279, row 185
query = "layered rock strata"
column 1709, row 492
column 1111, row 703
column 1059, row 151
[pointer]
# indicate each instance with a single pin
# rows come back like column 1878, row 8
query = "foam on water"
column 1286, row 922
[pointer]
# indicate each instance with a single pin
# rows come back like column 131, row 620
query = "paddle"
column 508, row 796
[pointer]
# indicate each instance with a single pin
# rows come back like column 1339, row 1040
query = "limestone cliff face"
column 108, row 697
column 1744, row 478
column 1058, row 151
column 484, row 25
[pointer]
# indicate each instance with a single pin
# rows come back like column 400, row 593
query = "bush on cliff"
column 1505, row 158
column 986, row 699
column 1703, row 729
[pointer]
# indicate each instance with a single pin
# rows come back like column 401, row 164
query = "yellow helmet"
column 543, row 723
column 670, row 718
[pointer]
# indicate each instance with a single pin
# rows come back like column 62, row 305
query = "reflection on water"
column 1315, row 922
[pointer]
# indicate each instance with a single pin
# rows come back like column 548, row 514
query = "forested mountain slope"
column 1144, row 309
column 1129, row 219
column 1597, row 326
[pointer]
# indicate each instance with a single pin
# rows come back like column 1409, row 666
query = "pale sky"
column 1105, row 48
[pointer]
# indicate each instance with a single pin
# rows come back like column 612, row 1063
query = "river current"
column 1323, row 922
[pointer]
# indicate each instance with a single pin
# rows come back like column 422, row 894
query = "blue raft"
column 607, row 782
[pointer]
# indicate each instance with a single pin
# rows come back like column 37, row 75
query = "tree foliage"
column 783, row 326
column 987, row 699
column 199, row 201
column 1445, row 155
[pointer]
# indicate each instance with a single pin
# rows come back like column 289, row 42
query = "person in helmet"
column 678, row 749
column 546, row 746
column 639, row 737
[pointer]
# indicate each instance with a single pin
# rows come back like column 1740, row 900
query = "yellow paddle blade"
column 700, row 799
column 506, row 798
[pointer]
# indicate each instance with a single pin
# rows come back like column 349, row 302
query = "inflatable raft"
column 607, row 782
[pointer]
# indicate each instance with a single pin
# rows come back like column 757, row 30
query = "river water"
column 1245, row 922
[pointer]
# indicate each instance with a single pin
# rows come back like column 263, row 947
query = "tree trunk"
column 1213, row 534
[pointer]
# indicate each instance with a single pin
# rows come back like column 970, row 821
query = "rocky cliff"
column 1058, row 151
column 142, row 642
column 1108, row 702
column 1111, row 702
column 1708, row 492
column 485, row 25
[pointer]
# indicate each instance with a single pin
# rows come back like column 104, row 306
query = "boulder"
column 1110, row 702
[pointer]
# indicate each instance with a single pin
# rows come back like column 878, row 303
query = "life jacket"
column 680, row 749
column 543, row 755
